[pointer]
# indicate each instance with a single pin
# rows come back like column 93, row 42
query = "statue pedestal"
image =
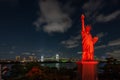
column 87, row 70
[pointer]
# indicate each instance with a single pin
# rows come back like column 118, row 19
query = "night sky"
column 49, row 27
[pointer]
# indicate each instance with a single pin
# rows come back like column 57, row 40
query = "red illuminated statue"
column 87, row 42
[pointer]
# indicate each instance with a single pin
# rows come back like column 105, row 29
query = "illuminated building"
column 17, row 58
column 42, row 58
column 31, row 58
column 57, row 57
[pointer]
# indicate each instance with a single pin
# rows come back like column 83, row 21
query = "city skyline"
column 49, row 27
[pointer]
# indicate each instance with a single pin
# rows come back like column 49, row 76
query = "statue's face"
column 88, row 28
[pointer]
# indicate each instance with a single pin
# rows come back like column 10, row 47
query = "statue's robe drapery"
column 87, row 46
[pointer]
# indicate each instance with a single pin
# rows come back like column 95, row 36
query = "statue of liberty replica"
column 87, row 66
column 87, row 41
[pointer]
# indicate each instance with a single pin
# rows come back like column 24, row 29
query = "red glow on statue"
column 87, row 67
column 87, row 42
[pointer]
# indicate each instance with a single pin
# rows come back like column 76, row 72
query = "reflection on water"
column 106, row 70
column 55, row 69
column 57, row 65
column 60, row 65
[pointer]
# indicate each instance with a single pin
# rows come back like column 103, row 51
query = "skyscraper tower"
column 57, row 57
column 42, row 58
column 17, row 58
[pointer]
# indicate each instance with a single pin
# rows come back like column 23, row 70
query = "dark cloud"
column 53, row 16
column 109, row 17
column 73, row 42
column 93, row 10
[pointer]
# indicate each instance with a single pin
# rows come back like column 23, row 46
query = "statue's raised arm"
column 83, row 23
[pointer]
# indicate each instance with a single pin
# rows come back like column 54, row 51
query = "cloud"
column 79, row 52
column 32, row 53
column 72, row 42
column 115, row 54
column 112, row 45
column 11, row 52
column 26, row 53
column 75, row 41
column 39, row 50
column 107, row 18
column 114, row 42
column 52, row 18
column 100, row 35
column 101, row 46
column 111, row 49
column 13, row 47
column 67, row 8
column 92, row 7
column 114, row 48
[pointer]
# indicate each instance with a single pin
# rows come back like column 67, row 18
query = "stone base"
column 87, row 70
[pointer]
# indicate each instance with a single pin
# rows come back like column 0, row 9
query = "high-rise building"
column 17, row 58
column 57, row 57
column 24, row 59
column 31, row 58
column 42, row 58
